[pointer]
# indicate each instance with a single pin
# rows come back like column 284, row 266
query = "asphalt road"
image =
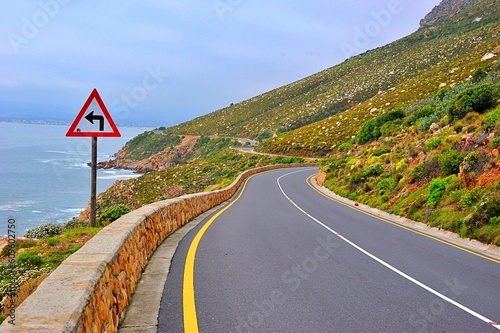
column 284, row 258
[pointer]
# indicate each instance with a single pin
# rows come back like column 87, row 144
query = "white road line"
column 392, row 268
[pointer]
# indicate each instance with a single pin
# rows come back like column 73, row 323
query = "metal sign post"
column 93, row 121
column 93, row 182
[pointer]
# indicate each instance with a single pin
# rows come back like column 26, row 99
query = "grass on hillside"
column 438, row 164
column 148, row 143
column 35, row 258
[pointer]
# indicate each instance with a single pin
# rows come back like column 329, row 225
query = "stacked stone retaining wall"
column 91, row 289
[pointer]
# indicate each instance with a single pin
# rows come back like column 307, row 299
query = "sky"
column 160, row 63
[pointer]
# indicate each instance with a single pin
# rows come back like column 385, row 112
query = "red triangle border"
column 72, row 130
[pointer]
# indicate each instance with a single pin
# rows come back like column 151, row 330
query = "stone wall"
column 90, row 290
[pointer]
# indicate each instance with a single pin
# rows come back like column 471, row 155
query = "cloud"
column 216, row 52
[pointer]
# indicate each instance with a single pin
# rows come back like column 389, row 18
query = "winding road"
column 282, row 257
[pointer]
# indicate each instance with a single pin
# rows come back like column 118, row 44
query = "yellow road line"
column 308, row 181
column 188, row 297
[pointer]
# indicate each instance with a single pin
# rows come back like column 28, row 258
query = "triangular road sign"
column 93, row 120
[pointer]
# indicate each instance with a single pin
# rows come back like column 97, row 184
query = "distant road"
column 244, row 149
column 251, row 150
column 285, row 258
column 252, row 143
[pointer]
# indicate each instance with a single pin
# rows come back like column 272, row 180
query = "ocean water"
column 44, row 176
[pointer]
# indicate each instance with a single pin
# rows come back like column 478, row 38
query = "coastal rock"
column 166, row 158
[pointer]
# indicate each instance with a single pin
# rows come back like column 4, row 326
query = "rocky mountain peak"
column 445, row 9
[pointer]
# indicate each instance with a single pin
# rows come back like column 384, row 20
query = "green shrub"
column 45, row 230
column 373, row 171
column 266, row 134
column 367, row 187
column 401, row 165
column 113, row 213
column 417, row 206
column 29, row 258
column 425, row 123
column 387, row 184
column 496, row 142
column 75, row 223
column 492, row 205
column 428, row 170
column 458, row 127
column 356, row 181
column 436, row 191
column 478, row 98
column 349, row 160
column 426, row 111
column 344, row 147
column 419, row 172
column 449, row 161
column 433, row 143
column 391, row 127
column 456, row 195
column 371, row 129
column 494, row 220
column 464, row 231
column 368, row 132
column 474, row 162
column 473, row 221
column 492, row 117
column 278, row 160
column 471, row 198
column 381, row 151
column 441, row 94
column 478, row 75
column 53, row 241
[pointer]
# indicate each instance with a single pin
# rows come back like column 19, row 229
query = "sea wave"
column 15, row 206
column 62, row 152
column 72, row 210
column 77, row 166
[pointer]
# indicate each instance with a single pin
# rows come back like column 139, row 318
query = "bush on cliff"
column 45, row 230
column 112, row 213
column 478, row 99
column 371, row 128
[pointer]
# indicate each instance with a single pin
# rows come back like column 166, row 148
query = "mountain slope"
column 354, row 81
column 430, row 59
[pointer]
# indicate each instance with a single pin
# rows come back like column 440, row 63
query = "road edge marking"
column 387, row 265
column 421, row 233
column 190, row 317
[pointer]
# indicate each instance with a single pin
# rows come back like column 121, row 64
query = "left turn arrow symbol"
column 90, row 117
